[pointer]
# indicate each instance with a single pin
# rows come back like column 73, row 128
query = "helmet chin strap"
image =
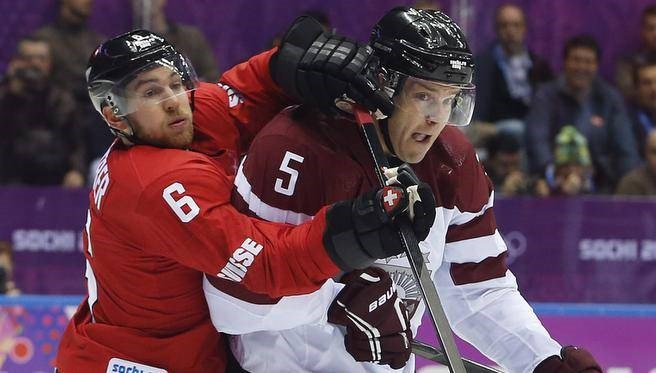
column 394, row 160
column 393, row 85
column 132, row 136
column 383, row 124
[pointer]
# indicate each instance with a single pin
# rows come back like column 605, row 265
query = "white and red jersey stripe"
column 464, row 250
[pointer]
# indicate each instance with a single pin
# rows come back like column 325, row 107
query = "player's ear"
column 114, row 120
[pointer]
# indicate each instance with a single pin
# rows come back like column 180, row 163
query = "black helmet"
column 424, row 44
column 117, row 61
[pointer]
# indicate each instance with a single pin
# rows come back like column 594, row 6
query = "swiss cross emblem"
column 391, row 198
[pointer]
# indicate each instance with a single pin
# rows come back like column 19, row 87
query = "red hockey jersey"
column 159, row 218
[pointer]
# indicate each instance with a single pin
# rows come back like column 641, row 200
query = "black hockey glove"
column 376, row 320
column 319, row 69
column 421, row 202
column 362, row 230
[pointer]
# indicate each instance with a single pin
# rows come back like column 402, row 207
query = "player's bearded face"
column 162, row 115
column 421, row 112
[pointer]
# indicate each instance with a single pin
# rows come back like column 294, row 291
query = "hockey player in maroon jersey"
column 304, row 159
column 160, row 213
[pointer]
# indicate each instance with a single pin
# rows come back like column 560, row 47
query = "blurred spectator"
column 643, row 105
column 322, row 17
column 624, row 66
column 642, row 181
column 41, row 142
column 580, row 98
column 188, row 39
column 427, row 5
column 571, row 172
column 507, row 74
column 504, row 165
column 319, row 15
column 7, row 285
column 71, row 43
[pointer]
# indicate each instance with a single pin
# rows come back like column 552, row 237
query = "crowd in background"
column 52, row 135
column 569, row 132
column 538, row 131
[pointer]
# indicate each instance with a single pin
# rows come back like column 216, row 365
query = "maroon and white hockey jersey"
column 299, row 163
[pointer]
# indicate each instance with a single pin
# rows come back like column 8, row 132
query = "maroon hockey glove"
column 376, row 320
column 421, row 200
column 571, row 360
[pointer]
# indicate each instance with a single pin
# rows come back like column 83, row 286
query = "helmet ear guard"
column 391, row 81
column 114, row 116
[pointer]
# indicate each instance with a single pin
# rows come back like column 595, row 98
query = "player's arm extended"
column 279, row 182
column 197, row 226
column 232, row 111
column 189, row 218
column 309, row 74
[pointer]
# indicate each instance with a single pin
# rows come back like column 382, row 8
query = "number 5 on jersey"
column 293, row 174
column 178, row 206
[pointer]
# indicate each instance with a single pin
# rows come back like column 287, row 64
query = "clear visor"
column 437, row 102
column 168, row 78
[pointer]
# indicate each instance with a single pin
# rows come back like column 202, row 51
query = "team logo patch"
column 242, row 258
column 392, row 197
column 457, row 65
column 234, row 98
column 117, row 365
column 141, row 42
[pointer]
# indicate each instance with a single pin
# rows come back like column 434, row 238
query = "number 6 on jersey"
column 177, row 205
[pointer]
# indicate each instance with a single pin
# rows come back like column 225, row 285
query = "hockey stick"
column 413, row 253
column 431, row 353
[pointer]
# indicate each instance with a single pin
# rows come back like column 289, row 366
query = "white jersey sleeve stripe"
column 261, row 208
column 460, row 217
column 493, row 316
column 235, row 316
column 474, row 250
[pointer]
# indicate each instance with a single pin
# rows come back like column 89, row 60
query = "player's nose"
column 172, row 102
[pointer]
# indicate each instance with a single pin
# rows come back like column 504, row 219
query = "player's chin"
column 415, row 153
column 412, row 157
column 182, row 140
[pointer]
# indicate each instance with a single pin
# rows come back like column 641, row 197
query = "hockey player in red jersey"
column 304, row 159
column 160, row 213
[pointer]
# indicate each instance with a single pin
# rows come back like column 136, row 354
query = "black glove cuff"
column 367, row 213
column 341, row 241
column 300, row 36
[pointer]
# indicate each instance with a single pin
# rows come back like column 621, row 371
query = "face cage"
column 432, row 99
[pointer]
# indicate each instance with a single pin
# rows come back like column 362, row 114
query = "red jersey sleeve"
column 190, row 220
column 228, row 114
column 254, row 97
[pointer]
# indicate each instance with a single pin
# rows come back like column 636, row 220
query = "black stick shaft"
column 413, row 253
column 431, row 353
